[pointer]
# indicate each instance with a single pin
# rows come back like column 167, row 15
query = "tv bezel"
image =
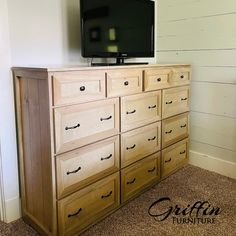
column 122, row 55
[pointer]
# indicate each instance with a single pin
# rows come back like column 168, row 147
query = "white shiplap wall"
column 203, row 33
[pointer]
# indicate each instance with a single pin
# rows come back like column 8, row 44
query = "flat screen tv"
column 117, row 28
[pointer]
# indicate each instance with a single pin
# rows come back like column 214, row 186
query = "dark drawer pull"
column 183, row 126
column 131, row 112
column 184, row 99
column 106, row 196
column 182, row 152
column 75, row 214
column 73, row 127
column 106, row 158
column 169, row 132
column 182, row 76
column 152, row 169
column 158, row 79
column 151, row 139
column 131, row 147
column 108, row 118
column 168, row 160
column 131, row 182
column 169, row 102
column 74, row 171
column 82, row 88
column 126, row 83
column 152, row 107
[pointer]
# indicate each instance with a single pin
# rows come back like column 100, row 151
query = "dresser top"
column 86, row 67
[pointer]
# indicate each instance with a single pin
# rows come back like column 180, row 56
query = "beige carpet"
column 187, row 186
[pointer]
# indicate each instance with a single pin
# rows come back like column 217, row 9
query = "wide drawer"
column 139, row 143
column 83, row 166
column 174, row 129
column 159, row 78
column 139, row 110
column 139, row 175
column 78, row 125
column 88, row 205
column 174, row 157
column 175, row 101
column 124, row 82
column 78, row 87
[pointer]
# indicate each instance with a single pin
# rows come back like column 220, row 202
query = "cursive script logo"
column 199, row 212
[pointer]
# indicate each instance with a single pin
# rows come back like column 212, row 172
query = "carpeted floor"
column 185, row 187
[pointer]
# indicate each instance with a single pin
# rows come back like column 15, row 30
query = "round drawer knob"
column 182, row 76
column 126, row 83
column 82, row 88
column 159, row 79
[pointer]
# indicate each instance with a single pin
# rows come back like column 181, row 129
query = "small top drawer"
column 79, row 125
column 156, row 79
column 84, row 207
column 124, row 82
column 139, row 175
column 140, row 109
column 174, row 157
column 180, row 76
column 174, row 129
column 175, row 101
column 78, row 87
column 160, row 78
column 78, row 168
column 140, row 142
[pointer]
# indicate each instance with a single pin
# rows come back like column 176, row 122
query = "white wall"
column 203, row 33
column 9, row 171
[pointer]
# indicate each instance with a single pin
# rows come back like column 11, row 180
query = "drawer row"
column 79, row 125
column 84, row 86
column 81, row 167
column 84, row 207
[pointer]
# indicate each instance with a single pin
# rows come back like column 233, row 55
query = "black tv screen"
column 117, row 28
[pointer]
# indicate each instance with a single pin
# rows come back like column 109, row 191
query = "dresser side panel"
column 34, row 149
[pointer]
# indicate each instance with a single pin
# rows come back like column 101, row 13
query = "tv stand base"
column 119, row 64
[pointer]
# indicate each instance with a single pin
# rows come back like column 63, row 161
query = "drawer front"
column 174, row 129
column 139, row 175
column 87, row 205
column 83, row 166
column 139, row 110
column 175, row 101
column 139, row 143
column 174, row 157
column 78, row 87
column 166, row 77
column 156, row 79
column 180, row 76
column 78, row 125
column 124, row 82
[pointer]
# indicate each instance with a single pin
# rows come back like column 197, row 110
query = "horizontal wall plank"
column 200, row 33
column 219, row 58
column 219, row 74
column 214, row 74
column 214, row 98
column 213, row 130
column 182, row 9
column 213, row 151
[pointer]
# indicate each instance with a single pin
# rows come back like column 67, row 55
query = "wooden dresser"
column 92, row 138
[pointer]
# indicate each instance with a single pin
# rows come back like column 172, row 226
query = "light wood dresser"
column 92, row 138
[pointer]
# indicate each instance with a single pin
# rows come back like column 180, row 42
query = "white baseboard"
column 12, row 210
column 217, row 165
